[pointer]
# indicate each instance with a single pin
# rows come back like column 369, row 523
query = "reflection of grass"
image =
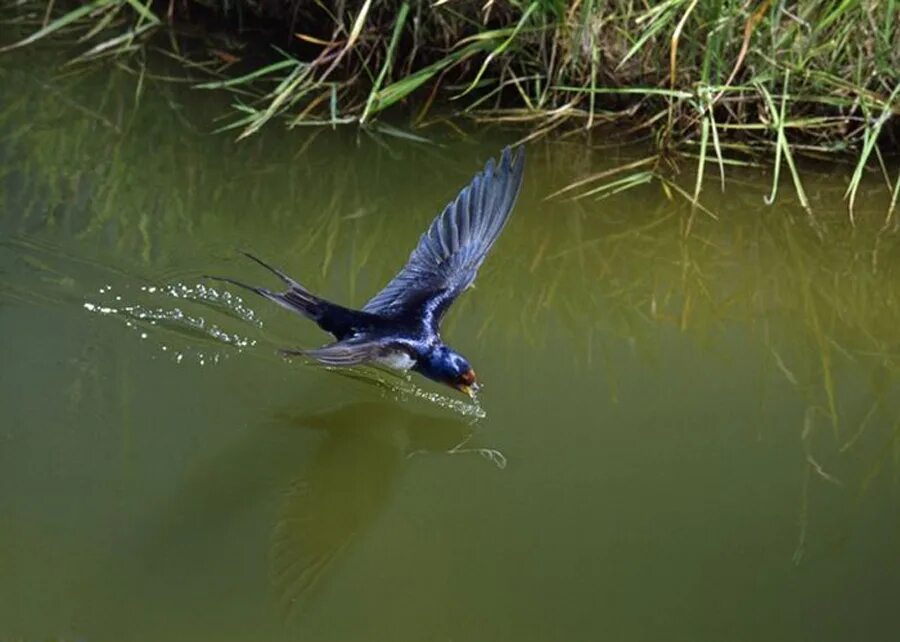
column 95, row 179
column 845, row 310
column 823, row 304
column 821, row 312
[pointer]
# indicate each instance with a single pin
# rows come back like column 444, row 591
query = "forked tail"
column 331, row 317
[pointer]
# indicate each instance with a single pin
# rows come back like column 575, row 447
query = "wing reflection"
column 331, row 474
column 348, row 483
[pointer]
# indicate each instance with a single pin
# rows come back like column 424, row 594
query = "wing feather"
column 446, row 260
column 350, row 352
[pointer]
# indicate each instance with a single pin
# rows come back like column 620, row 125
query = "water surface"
column 689, row 428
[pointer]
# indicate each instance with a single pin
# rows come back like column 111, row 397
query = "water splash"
column 466, row 409
column 202, row 293
column 150, row 320
column 401, row 388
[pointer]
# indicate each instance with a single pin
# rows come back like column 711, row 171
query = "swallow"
column 399, row 327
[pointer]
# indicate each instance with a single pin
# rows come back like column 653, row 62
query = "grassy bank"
column 720, row 80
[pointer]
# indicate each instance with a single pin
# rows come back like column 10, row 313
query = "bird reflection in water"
column 331, row 474
column 348, row 482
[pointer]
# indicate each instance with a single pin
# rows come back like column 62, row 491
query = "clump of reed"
column 716, row 79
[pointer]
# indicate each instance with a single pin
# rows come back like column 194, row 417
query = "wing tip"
column 479, row 221
column 512, row 159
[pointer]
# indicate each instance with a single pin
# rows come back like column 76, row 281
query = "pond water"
column 689, row 428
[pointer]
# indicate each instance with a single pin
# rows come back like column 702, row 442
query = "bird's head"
column 450, row 368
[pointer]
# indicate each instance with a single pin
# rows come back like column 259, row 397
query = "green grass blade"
column 663, row 14
column 253, row 75
column 144, row 11
column 402, row 88
column 388, row 61
column 701, row 162
column 59, row 23
column 870, row 140
column 770, row 104
column 501, row 48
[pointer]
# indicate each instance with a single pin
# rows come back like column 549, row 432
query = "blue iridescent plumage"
column 400, row 326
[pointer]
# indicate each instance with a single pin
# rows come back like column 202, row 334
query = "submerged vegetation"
column 723, row 81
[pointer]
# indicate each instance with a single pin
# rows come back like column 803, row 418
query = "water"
column 680, row 436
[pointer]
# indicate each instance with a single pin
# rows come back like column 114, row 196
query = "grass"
column 722, row 81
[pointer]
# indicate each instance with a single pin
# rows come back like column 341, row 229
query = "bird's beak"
column 468, row 384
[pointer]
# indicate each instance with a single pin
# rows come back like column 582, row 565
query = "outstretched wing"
column 447, row 258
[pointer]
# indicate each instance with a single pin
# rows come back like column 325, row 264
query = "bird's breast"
column 396, row 359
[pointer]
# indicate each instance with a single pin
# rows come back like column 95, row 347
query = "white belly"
column 397, row 359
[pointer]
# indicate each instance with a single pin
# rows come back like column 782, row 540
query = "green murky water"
column 681, row 437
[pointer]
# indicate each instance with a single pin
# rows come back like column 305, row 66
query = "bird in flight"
column 400, row 326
